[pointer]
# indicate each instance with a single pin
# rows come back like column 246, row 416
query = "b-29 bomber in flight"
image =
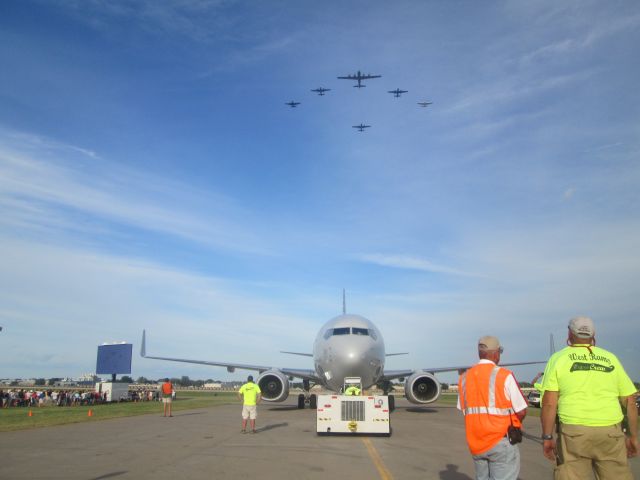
column 292, row 104
column 359, row 77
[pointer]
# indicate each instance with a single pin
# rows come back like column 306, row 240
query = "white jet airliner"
column 346, row 346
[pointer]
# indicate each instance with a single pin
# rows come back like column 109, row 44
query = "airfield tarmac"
column 427, row 443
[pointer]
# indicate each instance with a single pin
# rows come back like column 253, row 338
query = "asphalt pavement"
column 426, row 443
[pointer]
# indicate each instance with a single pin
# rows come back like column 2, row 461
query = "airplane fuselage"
column 348, row 346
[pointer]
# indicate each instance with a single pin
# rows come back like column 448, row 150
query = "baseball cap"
column 582, row 327
column 489, row 342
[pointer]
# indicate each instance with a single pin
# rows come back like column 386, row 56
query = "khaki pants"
column 583, row 450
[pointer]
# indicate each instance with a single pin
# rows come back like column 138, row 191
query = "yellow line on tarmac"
column 377, row 461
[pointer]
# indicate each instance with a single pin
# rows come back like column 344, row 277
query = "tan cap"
column 582, row 327
column 488, row 342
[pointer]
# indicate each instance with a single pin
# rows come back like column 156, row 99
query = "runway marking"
column 377, row 461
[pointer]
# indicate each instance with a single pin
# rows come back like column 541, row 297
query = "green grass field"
column 19, row 419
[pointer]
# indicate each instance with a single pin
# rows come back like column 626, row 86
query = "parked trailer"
column 353, row 414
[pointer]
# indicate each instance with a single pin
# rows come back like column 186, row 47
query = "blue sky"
column 152, row 177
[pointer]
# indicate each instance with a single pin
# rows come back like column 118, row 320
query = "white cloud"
column 74, row 300
column 410, row 263
column 40, row 192
column 569, row 192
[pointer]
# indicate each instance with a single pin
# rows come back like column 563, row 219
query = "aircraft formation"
column 358, row 77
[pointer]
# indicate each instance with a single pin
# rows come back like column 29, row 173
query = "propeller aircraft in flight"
column 359, row 77
column 397, row 92
column 321, row 90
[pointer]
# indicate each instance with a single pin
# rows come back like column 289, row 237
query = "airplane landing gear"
column 303, row 398
column 386, row 388
column 392, row 402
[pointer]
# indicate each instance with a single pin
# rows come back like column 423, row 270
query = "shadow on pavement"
column 421, row 410
column 271, row 427
column 452, row 473
column 283, row 408
column 110, row 475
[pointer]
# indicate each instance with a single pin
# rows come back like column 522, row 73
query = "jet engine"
column 274, row 386
column 422, row 387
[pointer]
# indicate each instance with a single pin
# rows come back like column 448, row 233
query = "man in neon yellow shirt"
column 249, row 393
column 586, row 386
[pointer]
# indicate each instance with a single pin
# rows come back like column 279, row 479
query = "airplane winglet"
column 143, row 349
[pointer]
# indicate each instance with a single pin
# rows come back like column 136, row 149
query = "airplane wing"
column 367, row 77
column 393, row 374
column 348, row 77
column 231, row 367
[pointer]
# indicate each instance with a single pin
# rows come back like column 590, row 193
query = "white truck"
column 353, row 414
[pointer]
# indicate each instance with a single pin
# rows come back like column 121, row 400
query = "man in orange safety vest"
column 167, row 396
column 491, row 402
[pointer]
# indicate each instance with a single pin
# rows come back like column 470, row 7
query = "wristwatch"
column 547, row 436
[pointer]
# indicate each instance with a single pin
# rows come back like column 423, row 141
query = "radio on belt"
column 354, row 413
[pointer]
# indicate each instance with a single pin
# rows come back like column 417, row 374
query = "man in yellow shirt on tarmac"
column 249, row 393
column 586, row 386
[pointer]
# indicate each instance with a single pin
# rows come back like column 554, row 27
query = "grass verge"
column 18, row 418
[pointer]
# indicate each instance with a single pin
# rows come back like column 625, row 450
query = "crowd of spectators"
column 40, row 398
column 69, row 398
column 144, row 395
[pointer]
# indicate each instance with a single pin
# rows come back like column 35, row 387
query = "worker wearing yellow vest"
column 352, row 390
column 249, row 393
column 491, row 401
column 585, row 386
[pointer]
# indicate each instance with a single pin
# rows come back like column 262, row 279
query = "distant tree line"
column 183, row 381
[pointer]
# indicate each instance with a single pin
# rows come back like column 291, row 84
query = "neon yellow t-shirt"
column 250, row 393
column 589, row 383
column 352, row 390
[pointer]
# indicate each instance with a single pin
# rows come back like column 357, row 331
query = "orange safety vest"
column 166, row 388
column 487, row 410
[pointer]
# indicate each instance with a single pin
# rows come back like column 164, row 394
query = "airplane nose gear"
column 306, row 397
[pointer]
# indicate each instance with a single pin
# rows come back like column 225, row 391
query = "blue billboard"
column 113, row 359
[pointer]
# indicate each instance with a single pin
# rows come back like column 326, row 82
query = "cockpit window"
column 336, row 331
column 341, row 331
column 349, row 330
column 360, row 331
